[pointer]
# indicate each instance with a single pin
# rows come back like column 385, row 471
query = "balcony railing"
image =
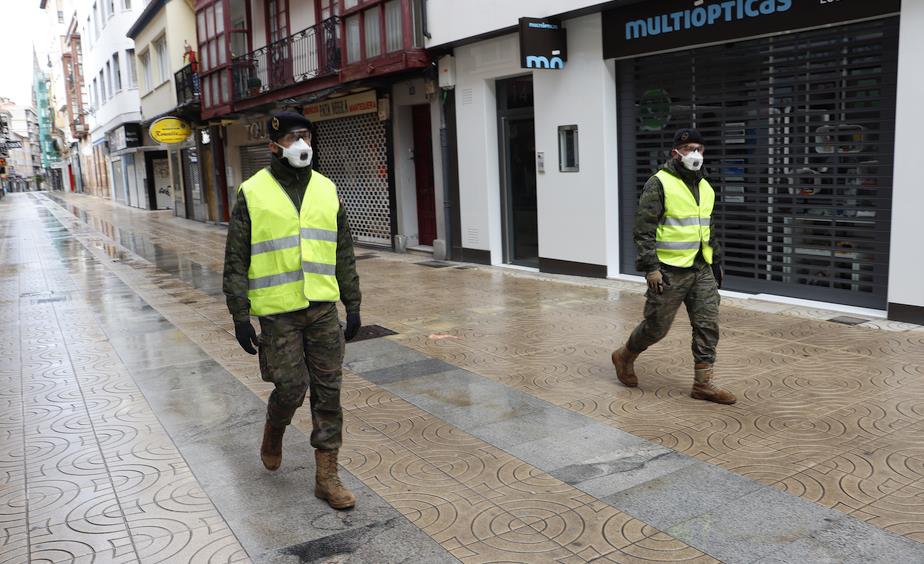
column 187, row 86
column 308, row 54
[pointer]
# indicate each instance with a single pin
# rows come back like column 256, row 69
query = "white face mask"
column 692, row 160
column 298, row 154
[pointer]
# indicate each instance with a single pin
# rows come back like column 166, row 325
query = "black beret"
column 687, row 135
column 284, row 122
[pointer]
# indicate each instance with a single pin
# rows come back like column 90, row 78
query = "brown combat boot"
column 623, row 360
column 271, row 450
column 327, row 483
column 704, row 389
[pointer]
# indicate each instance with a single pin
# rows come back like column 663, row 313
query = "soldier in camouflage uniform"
column 301, row 346
column 671, row 226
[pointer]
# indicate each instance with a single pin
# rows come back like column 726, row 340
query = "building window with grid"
column 213, row 51
column 394, row 26
column 102, row 88
column 111, row 88
column 132, row 71
column 144, row 60
column 95, row 22
column 163, row 64
column 117, row 72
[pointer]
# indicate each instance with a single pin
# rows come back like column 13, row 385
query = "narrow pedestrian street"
column 483, row 421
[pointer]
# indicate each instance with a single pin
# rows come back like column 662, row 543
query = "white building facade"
column 116, row 143
column 809, row 111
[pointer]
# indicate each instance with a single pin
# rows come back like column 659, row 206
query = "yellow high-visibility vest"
column 293, row 253
column 686, row 226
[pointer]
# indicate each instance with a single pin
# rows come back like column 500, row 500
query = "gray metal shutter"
column 253, row 158
column 352, row 153
column 799, row 135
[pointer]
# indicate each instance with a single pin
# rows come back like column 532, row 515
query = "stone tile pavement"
column 489, row 428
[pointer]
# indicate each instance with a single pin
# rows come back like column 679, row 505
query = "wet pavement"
column 488, row 428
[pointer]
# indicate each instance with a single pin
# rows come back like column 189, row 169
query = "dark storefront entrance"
column 517, row 138
column 799, row 131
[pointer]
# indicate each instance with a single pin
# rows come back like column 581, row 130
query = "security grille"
column 351, row 152
column 253, row 158
column 799, row 135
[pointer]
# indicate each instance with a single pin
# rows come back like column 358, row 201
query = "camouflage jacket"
column 237, row 248
column 650, row 212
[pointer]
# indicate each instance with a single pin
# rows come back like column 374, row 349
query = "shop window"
column 568, row 148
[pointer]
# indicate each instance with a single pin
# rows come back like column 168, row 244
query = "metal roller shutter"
column 253, row 158
column 799, row 133
column 352, row 153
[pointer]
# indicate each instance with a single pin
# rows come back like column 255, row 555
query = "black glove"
column 246, row 336
column 656, row 281
column 353, row 323
column 719, row 273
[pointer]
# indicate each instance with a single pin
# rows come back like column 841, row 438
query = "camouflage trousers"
column 695, row 288
column 301, row 352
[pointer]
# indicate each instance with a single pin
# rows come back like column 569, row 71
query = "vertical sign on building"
column 543, row 44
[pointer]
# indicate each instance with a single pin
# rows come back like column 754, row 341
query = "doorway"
column 517, row 138
column 423, row 175
column 163, row 187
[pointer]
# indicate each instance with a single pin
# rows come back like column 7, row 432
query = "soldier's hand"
column 353, row 323
column 655, row 281
column 719, row 273
column 246, row 336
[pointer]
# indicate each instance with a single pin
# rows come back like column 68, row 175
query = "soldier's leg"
column 282, row 362
column 703, row 307
column 324, row 346
column 660, row 310
column 702, row 304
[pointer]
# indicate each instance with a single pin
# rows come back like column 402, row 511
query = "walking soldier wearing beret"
column 680, row 256
column 288, row 260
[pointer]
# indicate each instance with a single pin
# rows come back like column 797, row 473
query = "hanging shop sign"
column 170, row 130
column 132, row 133
column 650, row 27
column 357, row 104
column 125, row 136
column 543, row 44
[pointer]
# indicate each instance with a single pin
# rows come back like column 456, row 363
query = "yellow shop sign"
column 170, row 130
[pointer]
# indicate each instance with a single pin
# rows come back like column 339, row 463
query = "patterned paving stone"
column 827, row 412
column 81, row 463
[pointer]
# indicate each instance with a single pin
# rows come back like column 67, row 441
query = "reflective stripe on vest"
column 686, row 226
column 293, row 253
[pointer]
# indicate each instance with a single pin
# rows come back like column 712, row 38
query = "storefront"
column 799, row 130
column 352, row 150
column 126, row 163
column 810, row 119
